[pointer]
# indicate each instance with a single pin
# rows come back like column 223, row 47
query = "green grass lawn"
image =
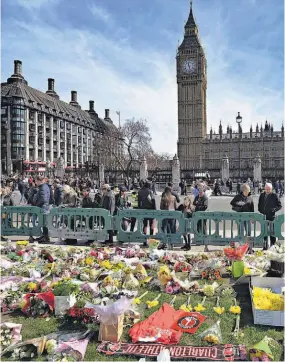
column 252, row 334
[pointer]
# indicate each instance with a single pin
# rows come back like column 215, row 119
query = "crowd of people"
column 83, row 192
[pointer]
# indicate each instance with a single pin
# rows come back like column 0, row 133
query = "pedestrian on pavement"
column 42, row 199
column 58, row 194
column 108, row 203
column 146, row 201
column 187, row 209
column 170, row 185
column 201, row 204
column 268, row 204
column 121, row 203
column 243, row 202
column 168, row 202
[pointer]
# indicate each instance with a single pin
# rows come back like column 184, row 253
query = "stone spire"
column 282, row 130
column 191, row 21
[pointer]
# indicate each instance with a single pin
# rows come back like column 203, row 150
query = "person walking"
column 168, row 202
column 187, row 209
column 121, row 203
column 268, row 204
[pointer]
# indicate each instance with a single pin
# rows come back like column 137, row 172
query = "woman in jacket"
column 243, row 203
column 187, row 209
column 121, row 203
column 168, row 202
column 201, row 204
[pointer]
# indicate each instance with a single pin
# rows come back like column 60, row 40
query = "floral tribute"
column 38, row 305
column 236, row 251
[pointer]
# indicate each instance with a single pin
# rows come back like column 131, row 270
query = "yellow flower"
column 137, row 301
column 199, row 308
column 235, row 309
column 186, row 308
column 246, row 271
column 106, row 264
column 152, row 303
column 219, row 310
column 89, row 261
column 212, row 339
column 22, row 242
column 55, row 284
column 32, row 286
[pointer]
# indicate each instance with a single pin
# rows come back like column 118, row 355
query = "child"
column 187, row 208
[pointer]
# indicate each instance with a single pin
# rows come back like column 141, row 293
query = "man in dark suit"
column 268, row 204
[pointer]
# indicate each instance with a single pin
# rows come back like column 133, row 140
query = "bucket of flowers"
column 65, row 296
column 235, row 253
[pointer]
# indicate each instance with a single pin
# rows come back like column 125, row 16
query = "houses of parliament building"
column 202, row 152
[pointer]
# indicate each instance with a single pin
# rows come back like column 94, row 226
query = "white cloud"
column 142, row 83
column 101, row 13
column 34, row 4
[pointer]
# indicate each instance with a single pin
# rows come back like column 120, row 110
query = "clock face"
column 189, row 66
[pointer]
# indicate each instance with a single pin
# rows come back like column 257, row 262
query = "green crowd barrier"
column 206, row 228
column 220, row 228
column 79, row 223
column 157, row 217
column 21, row 220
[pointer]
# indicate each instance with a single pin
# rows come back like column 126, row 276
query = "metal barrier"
column 219, row 228
column 79, row 223
column 164, row 220
column 22, row 220
column 208, row 228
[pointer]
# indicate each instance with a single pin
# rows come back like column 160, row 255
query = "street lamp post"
column 239, row 120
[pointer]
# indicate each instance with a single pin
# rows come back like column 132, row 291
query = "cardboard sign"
column 226, row 352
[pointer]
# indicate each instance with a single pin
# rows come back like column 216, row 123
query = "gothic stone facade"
column 199, row 151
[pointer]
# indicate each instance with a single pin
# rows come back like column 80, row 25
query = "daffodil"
column 138, row 299
column 200, row 306
column 89, row 260
column 32, row 286
column 219, row 310
column 153, row 303
column 186, row 307
column 105, row 264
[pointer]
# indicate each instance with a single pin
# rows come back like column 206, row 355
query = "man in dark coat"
column 268, row 204
column 42, row 199
column 58, row 194
column 146, row 201
column 201, row 204
column 108, row 203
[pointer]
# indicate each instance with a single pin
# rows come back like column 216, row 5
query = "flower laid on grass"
column 89, row 260
column 200, row 306
column 105, row 264
column 51, row 346
column 219, row 310
column 32, row 287
column 236, row 333
column 186, row 307
column 5, row 336
column 235, row 309
column 153, row 303
column 22, row 243
column 138, row 299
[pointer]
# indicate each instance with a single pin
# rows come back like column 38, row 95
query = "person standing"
column 58, row 194
column 42, row 199
column 168, row 202
column 121, row 203
column 243, row 202
column 201, row 204
column 187, row 209
column 268, row 204
column 146, row 201
column 108, row 203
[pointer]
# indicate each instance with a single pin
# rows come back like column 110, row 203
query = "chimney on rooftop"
column 91, row 106
column 73, row 101
column 51, row 92
column 18, row 67
column 107, row 112
column 17, row 75
column 50, row 84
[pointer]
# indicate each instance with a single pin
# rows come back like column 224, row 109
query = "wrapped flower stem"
column 187, row 307
column 153, row 303
column 200, row 307
column 172, row 301
column 236, row 330
column 217, row 308
column 138, row 299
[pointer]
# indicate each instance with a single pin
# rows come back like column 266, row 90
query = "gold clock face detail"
column 189, row 66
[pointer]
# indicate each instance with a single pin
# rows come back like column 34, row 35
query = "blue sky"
column 121, row 54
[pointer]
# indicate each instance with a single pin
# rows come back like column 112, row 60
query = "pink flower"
column 255, row 359
column 265, row 358
column 169, row 289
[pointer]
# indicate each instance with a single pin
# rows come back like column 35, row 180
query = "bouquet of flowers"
column 276, row 252
column 84, row 315
column 236, row 251
column 182, row 266
column 172, row 287
column 212, row 334
column 11, row 301
column 38, row 305
column 27, row 352
column 5, row 336
column 211, row 274
column 65, row 288
column 21, row 244
column 153, row 243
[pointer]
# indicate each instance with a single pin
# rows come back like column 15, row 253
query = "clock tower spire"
column 191, row 69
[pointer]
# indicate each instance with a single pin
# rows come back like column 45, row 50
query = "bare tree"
column 158, row 161
column 124, row 148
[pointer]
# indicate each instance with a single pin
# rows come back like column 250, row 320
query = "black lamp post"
column 239, row 120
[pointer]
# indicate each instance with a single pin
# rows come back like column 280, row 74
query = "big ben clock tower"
column 192, row 87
